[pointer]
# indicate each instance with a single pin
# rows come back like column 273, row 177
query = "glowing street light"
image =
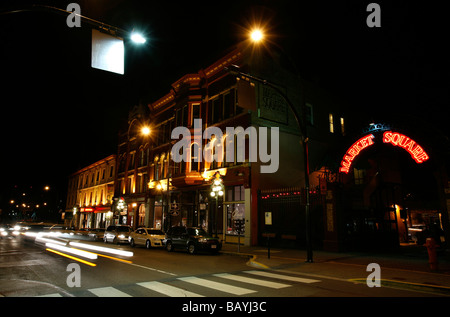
column 138, row 38
column 145, row 130
column 256, row 35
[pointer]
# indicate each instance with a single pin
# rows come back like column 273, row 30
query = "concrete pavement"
column 406, row 268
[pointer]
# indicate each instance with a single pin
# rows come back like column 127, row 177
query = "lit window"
column 342, row 126
column 330, row 120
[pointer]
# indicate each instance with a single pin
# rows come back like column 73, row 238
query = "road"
column 30, row 269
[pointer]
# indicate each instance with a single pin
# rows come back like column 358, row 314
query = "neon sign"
column 401, row 140
column 353, row 151
column 395, row 138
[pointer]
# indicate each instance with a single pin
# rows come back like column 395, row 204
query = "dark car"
column 192, row 239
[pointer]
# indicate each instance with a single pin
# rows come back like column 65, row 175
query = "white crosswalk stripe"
column 282, row 277
column 253, row 281
column 260, row 279
column 108, row 292
column 51, row 295
column 217, row 286
column 168, row 289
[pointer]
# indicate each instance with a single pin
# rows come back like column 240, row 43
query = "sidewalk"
column 406, row 268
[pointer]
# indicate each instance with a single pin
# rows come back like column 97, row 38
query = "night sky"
column 59, row 114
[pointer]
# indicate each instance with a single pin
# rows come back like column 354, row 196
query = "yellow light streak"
column 71, row 257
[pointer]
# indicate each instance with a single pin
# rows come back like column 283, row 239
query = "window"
column 178, row 118
column 359, row 175
column 185, row 116
column 194, row 157
column 235, row 204
column 141, row 217
column 229, row 104
column 131, row 163
column 218, row 109
column 309, row 114
column 331, row 123
column 195, row 112
column 342, row 126
column 156, row 169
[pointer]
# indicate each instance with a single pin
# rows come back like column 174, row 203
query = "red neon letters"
column 353, row 151
column 398, row 139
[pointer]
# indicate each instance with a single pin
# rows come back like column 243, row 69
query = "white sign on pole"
column 108, row 52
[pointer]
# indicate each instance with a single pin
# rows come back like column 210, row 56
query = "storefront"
column 387, row 194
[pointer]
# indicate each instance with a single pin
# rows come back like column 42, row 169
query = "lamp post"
column 216, row 192
column 256, row 37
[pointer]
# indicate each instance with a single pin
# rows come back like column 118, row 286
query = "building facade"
column 160, row 191
column 90, row 195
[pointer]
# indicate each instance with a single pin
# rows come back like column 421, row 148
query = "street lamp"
column 138, row 38
column 217, row 190
column 145, row 130
column 256, row 37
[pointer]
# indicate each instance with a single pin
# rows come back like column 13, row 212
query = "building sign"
column 354, row 150
column 401, row 140
column 272, row 106
column 86, row 209
column 394, row 138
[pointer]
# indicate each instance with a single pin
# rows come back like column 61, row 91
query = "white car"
column 149, row 237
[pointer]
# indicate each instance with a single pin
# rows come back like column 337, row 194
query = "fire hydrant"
column 432, row 255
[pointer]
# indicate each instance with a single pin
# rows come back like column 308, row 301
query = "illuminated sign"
column 84, row 209
column 353, row 151
column 395, row 138
column 401, row 140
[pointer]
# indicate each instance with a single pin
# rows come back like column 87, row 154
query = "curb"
column 252, row 259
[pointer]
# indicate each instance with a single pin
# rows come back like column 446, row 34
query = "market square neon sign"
column 397, row 139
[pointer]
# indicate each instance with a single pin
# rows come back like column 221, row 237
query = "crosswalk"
column 245, row 283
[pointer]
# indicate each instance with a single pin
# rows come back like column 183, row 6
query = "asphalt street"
column 30, row 269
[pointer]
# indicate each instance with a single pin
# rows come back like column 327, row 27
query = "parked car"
column 149, row 237
column 117, row 234
column 96, row 234
column 192, row 239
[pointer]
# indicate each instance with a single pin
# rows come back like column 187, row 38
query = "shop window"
column 141, row 215
column 235, row 204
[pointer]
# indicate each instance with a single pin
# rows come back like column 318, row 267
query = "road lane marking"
column 72, row 257
column 252, row 281
column 22, row 263
column 282, row 277
column 217, row 286
column 168, row 289
column 108, row 292
column 151, row 269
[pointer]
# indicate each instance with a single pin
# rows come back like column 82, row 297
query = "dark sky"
column 59, row 114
